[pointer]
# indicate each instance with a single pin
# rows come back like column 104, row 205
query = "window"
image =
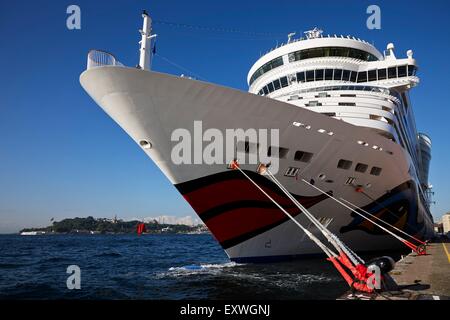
column 322, row 95
column 347, row 104
column 362, row 76
column 266, row 67
column 277, row 84
column 361, row 167
column 375, row 171
column 266, row 91
column 291, row 172
column 328, row 74
column 303, row 156
column 372, row 75
column 300, row 77
column 392, row 72
column 329, row 114
column 348, row 95
column 273, row 151
column 412, row 70
column 270, row 86
column 346, row 75
column 309, row 75
column 353, row 76
column 402, row 72
column 344, row 164
column 337, row 74
column 284, row 82
column 261, row 92
column 331, row 52
column 314, row 103
column 319, row 75
column 381, row 74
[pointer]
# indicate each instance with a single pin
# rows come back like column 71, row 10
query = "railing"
column 98, row 58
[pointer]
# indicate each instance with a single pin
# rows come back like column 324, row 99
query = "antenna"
column 146, row 38
column 314, row 33
column 290, row 35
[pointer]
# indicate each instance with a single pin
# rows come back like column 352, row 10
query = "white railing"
column 98, row 58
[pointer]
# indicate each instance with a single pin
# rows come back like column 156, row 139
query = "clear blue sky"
column 61, row 156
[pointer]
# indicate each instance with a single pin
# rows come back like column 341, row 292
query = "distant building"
column 446, row 222
column 187, row 220
column 438, row 227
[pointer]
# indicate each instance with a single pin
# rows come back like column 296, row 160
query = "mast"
column 146, row 34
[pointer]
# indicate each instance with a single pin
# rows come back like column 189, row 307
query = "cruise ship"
column 346, row 125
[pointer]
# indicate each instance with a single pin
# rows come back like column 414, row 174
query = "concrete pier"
column 424, row 277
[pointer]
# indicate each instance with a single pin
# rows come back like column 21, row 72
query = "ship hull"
column 149, row 106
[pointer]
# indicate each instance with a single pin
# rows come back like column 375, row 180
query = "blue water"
column 152, row 267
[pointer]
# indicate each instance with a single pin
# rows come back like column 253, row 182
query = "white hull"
column 150, row 105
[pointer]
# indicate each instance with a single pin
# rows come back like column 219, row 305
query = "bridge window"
column 381, row 74
column 277, row 84
column 337, row 74
column 319, row 75
column 362, row 76
column 266, row 91
column 300, row 76
column 284, row 82
column 402, row 72
column 412, row 70
column 329, row 74
column 270, row 86
column 372, row 75
column 309, row 75
column 346, row 75
column 392, row 72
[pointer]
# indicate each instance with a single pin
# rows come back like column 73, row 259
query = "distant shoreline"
column 103, row 226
